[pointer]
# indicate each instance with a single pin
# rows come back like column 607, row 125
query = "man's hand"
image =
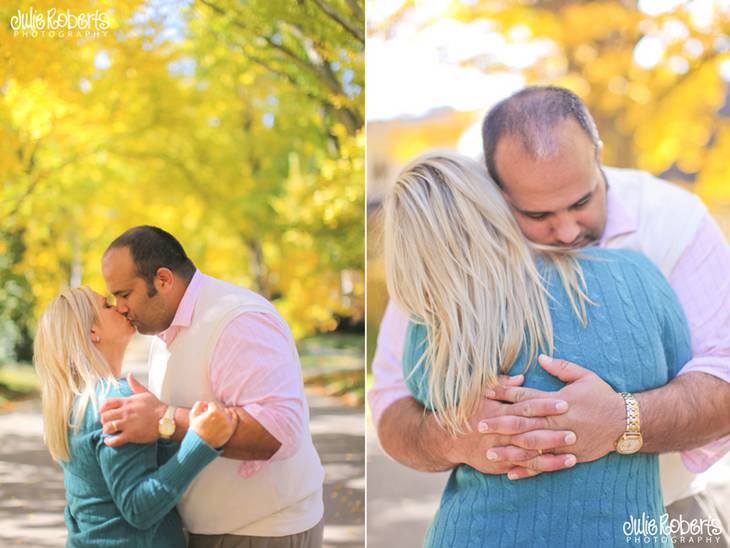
column 596, row 414
column 413, row 437
column 136, row 418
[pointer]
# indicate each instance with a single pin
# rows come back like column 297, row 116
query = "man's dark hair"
column 531, row 114
column 152, row 248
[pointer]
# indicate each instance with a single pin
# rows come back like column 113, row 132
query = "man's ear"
column 164, row 279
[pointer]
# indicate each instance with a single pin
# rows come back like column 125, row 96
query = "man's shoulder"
column 222, row 288
column 641, row 187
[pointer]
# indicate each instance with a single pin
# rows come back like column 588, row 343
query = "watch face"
column 629, row 445
column 167, row 427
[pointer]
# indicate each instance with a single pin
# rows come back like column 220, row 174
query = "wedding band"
column 114, row 426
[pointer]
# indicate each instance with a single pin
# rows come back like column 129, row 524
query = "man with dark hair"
column 153, row 248
column 218, row 342
column 542, row 148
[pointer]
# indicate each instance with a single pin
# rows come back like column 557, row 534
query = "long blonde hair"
column 457, row 262
column 68, row 364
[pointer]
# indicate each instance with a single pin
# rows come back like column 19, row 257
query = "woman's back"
column 636, row 339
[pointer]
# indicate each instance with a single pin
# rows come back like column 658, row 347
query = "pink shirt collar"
column 184, row 314
column 619, row 219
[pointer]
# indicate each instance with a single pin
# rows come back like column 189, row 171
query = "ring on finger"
column 114, row 426
column 539, row 452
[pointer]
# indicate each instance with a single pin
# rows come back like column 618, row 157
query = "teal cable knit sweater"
column 636, row 339
column 126, row 496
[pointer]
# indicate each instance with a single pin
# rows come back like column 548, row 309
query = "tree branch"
column 349, row 27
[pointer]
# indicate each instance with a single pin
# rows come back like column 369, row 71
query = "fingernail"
column 491, row 455
column 490, row 394
column 570, row 460
column 561, row 406
column 546, row 359
column 483, row 426
column 570, row 438
column 512, row 475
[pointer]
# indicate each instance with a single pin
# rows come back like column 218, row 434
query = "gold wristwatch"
column 631, row 441
column 166, row 426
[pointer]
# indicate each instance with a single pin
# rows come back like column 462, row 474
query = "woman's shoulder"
column 117, row 388
column 619, row 261
column 631, row 270
column 104, row 389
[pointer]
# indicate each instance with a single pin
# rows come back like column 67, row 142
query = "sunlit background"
column 653, row 73
column 236, row 126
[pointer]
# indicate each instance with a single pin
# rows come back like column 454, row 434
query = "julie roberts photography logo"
column 645, row 529
column 54, row 23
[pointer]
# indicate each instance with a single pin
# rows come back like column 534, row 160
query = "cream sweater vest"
column 284, row 497
column 667, row 219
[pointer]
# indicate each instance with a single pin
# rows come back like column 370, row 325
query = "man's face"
column 149, row 315
column 560, row 200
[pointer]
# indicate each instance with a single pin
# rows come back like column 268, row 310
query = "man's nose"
column 122, row 308
column 566, row 230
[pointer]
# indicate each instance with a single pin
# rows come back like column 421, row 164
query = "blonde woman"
column 483, row 302
column 115, row 496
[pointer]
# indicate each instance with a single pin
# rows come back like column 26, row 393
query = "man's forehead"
column 552, row 197
column 118, row 266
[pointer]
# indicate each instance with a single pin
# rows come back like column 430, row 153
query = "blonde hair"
column 69, row 365
column 458, row 263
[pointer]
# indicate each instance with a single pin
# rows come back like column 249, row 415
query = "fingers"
column 515, row 394
column 113, row 426
column 544, row 439
column 111, row 415
column 233, row 415
column 197, row 409
column 562, row 369
column 111, row 403
column 215, row 407
column 509, row 425
column 541, row 463
column 116, row 441
column 134, row 384
column 537, row 407
column 518, row 473
column 514, row 380
column 510, row 453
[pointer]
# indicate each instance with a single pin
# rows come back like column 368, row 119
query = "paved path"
column 402, row 502
column 31, row 484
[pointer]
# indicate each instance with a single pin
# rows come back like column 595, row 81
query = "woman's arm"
column 143, row 492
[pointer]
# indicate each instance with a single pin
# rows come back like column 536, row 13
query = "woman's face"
column 113, row 326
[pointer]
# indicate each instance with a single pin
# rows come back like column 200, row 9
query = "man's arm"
column 410, row 435
column 137, row 418
column 693, row 409
column 689, row 412
column 254, row 370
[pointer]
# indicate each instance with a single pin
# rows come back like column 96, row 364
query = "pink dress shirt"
column 255, row 366
column 701, row 280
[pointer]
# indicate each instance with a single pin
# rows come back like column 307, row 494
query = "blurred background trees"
column 654, row 74
column 237, row 126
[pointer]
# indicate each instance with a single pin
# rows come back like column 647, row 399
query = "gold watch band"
column 633, row 418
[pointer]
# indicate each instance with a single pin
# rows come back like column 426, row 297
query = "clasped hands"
column 135, row 419
column 523, row 432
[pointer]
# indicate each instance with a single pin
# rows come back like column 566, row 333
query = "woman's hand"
column 213, row 423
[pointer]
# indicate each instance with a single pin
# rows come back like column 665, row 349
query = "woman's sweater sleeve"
column 143, row 488
column 143, row 492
